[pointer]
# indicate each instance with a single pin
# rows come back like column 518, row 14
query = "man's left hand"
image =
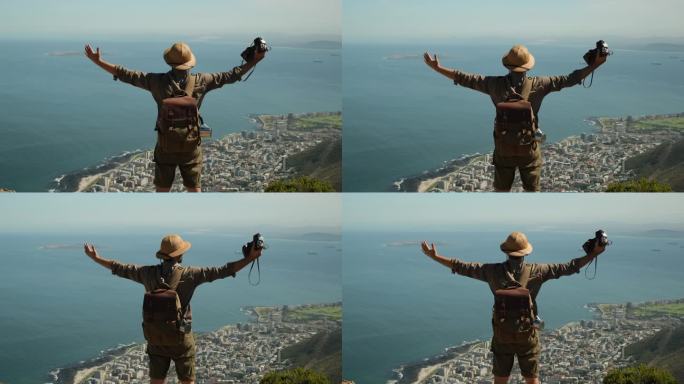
column 598, row 249
column 258, row 56
column 254, row 253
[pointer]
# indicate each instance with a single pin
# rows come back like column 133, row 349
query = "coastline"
column 613, row 314
column 256, row 316
column 252, row 157
column 605, row 131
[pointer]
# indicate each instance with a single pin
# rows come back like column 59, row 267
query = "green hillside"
column 665, row 164
column 322, row 162
column 665, row 349
column 322, row 353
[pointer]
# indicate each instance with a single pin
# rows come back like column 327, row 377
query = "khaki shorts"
column 527, row 353
column 190, row 166
column 183, row 357
column 529, row 168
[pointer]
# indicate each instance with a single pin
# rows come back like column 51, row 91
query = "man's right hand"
column 94, row 56
column 90, row 250
column 431, row 62
column 429, row 251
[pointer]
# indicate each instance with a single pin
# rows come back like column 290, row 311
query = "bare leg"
column 500, row 380
column 193, row 189
column 532, row 380
column 163, row 189
column 188, row 382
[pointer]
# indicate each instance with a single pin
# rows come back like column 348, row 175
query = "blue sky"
column 527, row 212
column 201, row 18
column 412, row 20
column 206, row 212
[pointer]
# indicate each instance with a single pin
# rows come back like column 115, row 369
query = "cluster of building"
column 584, row 163
column 244, row 161
column 235, row 354
column 602, row 343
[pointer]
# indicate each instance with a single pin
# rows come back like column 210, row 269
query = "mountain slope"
column 322, row 353
column 665, row 163
column 665, row 349
column 323, row 162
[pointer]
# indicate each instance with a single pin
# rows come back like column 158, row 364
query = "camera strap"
column 249, row 275
column 586, row 270
column 591, row 81
column 250, row 72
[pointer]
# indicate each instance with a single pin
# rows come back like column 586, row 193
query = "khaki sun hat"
column 172, row 246
column 518, row 59
column 179, row 56
column 516, row 245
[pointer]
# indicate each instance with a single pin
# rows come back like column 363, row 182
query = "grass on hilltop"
column 659, row 123
column 649, row 310
column 333, row 121
column 641, row 185
column 313, row 313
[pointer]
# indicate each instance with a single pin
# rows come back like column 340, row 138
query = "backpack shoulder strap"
column 526, row 88
column 190, row 84
column 175, row 278
column 525, row 276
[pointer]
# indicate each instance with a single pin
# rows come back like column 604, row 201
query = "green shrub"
column 640, row 374
column 300, row 184
column 641, row 185
column 294, row 376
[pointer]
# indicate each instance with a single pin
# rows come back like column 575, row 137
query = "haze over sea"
column 401, row 118
column 59, row 307
column 63, row 113
column 401, row 307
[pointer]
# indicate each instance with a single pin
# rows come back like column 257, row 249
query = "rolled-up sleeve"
column 473, row 81
column 556, row 83
column 554, row 271
column 209, row 274
column 219, row 79
column 473, row 270
column 129, row 271
column 135, row 78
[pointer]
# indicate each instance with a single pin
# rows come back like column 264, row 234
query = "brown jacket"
column 499, row 87
column 164, row 85
column 501, row 275
column 191, row 278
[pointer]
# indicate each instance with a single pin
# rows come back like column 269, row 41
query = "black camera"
column 601, row 238
column 600, row 50
column 258, row 45
column 257, row 242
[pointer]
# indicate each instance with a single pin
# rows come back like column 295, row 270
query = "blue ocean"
column 59, row 307
column 61, row 113
column 401, row 307
column 401, row 118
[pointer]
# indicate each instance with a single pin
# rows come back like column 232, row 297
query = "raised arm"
column 219, row 79
column 555, row 271
column 468, row 80
column 556, row 83
column 96, row 58
column 209, row 274
column 476, row 271
column 431, row 252
column 91, row 252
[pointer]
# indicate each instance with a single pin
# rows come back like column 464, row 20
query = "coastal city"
column 240, row 353
column 601, row 340
column 584, row 163
column 242, row 161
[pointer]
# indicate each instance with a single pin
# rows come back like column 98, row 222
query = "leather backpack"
column 163, row 314
column 513, row 312
column 178, row 121
column 515, row 124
